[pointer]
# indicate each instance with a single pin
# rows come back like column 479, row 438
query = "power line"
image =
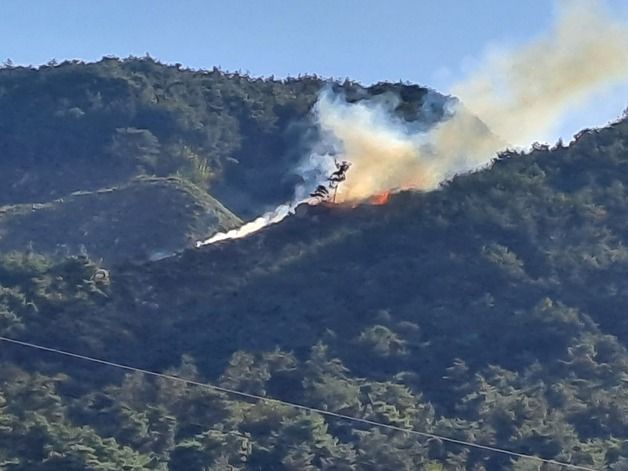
column 271, row 400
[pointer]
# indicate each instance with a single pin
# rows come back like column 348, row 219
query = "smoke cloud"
column 520, row 94
column 270, row 217
column 388, row 153
column 512, row 98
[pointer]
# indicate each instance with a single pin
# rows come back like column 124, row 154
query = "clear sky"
column 429, row 42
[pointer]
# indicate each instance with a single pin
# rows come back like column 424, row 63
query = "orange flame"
column 379, row 199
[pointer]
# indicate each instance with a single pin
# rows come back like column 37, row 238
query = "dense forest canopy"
column 102, row 123
column 490, row 310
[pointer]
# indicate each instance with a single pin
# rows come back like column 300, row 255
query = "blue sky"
column 430, row 42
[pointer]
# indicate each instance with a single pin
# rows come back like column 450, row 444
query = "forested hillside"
column 76, row 126
column 490, row 310
column 97, row 127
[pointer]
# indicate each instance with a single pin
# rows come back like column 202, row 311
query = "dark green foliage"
column 77, row 126
column 491, row 310
column 482, row 311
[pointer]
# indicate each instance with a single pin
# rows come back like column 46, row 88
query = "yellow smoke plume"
column 519, row 94
column 524, row 93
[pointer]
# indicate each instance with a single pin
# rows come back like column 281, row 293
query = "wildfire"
column 379, row 199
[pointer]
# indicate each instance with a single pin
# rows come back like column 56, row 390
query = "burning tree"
column 329, row 191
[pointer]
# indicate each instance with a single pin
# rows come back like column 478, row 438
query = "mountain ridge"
column 490, row 310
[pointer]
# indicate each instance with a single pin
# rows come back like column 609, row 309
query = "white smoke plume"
column 270, row 217
column 519, row 94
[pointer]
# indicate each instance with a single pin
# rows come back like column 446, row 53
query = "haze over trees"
column 490, row 310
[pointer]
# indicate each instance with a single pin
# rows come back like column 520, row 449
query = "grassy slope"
column 149, row 217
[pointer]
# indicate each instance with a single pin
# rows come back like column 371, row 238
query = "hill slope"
column 81, row 127
column 150, row 217
column 491, row 310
